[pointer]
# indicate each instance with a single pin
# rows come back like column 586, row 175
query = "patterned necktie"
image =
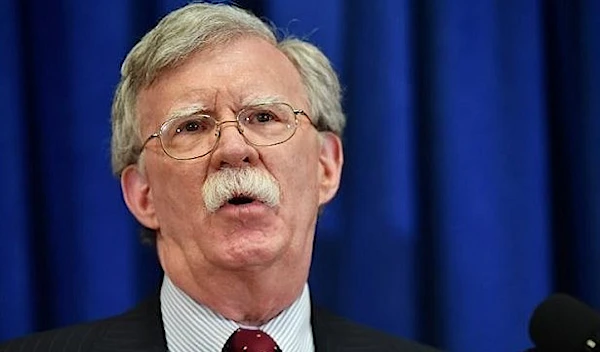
column 245, row 340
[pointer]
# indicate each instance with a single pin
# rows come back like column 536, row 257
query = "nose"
column 232, row 150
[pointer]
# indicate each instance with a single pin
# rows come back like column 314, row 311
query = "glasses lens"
column 268, row 124
column 188, row 137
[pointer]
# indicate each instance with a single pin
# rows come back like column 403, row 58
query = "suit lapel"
column 325, row 339
column 335, row 334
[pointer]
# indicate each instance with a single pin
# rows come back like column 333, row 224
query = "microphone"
column 564, row 324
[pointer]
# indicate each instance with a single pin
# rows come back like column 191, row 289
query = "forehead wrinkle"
column 191, row 101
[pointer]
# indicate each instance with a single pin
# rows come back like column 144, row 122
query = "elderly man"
column 227, row 143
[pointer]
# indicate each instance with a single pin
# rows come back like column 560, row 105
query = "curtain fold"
column 490, row 168
column 471, row 187
column 15, row 283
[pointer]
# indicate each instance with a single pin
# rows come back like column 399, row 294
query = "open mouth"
column 241, row 200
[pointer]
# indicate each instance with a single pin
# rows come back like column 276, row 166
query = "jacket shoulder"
column 79, row 337
column 334, row 333
column 137, row 328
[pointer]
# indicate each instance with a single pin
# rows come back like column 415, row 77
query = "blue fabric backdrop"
column 472, row 181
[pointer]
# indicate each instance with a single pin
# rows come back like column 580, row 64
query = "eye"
column 189, row 127
column 193, row 125
column 262, row 117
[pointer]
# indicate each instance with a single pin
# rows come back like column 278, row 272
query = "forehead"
column 230, row 76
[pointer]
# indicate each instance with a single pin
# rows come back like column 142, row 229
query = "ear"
column 331, row 159
column 138, row 196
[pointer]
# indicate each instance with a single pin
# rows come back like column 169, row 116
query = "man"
column 227, row 144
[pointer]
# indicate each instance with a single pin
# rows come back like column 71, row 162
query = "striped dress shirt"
column 192, row 327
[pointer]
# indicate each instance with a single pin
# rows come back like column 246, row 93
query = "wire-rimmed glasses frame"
column 242, row 119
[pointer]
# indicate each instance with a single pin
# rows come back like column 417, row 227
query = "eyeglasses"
column 196, row 135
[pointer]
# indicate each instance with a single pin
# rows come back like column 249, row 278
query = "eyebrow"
column 198, row 109
column 186, row 111
column 263, row 100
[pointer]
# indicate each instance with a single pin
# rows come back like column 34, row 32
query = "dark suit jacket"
column 141, row 329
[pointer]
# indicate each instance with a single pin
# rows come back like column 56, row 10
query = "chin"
column 252, row 250
column 247, row 262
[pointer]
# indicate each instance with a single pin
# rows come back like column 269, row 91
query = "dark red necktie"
column 246, row 340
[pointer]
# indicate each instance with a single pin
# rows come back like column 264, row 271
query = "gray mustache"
column 227, row 183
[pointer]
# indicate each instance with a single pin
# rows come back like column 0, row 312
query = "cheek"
column 177, row 191
column 297, row 174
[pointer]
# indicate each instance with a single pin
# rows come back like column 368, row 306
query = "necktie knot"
column 247, row 340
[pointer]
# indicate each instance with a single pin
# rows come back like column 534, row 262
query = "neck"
column 249, row 297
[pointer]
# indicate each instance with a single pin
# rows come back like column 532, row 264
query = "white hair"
column 199, row 26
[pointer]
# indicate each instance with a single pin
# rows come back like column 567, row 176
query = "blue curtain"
column 471, row 188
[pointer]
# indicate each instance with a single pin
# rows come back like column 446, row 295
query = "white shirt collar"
column 192, row 327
